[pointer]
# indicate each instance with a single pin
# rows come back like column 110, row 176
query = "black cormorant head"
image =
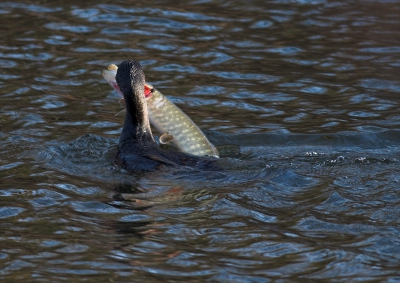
column 130, row 76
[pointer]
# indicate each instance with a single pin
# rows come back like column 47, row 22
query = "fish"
column 174, row 126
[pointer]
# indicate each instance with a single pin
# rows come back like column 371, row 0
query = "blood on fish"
column 147, row 91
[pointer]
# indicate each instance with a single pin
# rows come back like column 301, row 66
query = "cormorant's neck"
column 136, row 124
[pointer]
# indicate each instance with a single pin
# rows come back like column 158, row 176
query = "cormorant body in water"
column 137, row 150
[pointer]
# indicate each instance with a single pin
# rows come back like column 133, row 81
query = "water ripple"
column 42, row 56
column 7, row 211
column 71, row 28
column 392, row 49
column 262, row 24
column 288, row 50
column 381, row 84
column 29, row 7
column 164, row 23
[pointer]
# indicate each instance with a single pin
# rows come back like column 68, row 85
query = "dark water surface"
column 309, row 90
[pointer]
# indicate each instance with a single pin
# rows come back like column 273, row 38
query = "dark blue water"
column 309, row 91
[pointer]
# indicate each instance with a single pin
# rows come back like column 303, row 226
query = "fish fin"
column 123, row 111
column 121, row 102
column 166, row 138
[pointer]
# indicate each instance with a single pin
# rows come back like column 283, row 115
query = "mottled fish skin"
column 168, row 119
column 165, row 116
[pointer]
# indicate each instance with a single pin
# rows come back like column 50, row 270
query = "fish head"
column 109, row 76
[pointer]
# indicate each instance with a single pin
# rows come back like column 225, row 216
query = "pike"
column 171, row 122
